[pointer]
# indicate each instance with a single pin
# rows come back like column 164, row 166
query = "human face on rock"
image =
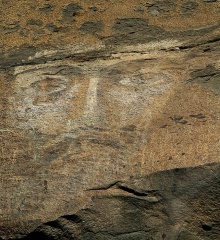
column 66, row 97
column 43, row 97
column 130, row 88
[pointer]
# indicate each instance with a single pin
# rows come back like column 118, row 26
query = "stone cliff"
column 179, row 204
column 95, row 94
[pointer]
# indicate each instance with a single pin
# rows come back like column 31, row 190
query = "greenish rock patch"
column 70, row 12
column 161, row 7
column 47, row 8
column 35, row 22
column 188, row 7
column 92, row 27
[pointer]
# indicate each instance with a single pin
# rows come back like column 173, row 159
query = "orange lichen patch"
column 20, row 13
column 203, row 16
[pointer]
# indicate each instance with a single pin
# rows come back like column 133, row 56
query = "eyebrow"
column 75, row 69
column 64, row 70
column 122, row 67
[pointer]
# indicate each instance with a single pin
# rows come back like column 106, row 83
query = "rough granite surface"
column 94, row 94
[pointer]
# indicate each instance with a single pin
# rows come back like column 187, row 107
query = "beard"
column 44, row 176
column 102, row 148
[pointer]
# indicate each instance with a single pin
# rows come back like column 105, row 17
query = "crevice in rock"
column 190, row 46
column 74, row 218
column 104, row 187
column 132, row 191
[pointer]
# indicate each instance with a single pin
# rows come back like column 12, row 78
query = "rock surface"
column 175, row 204
column 94, row 93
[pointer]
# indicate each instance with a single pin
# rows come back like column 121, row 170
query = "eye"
column 135, row 80
column 126, row 81
column 49, row 85
column 145, row 80
column 48, row 90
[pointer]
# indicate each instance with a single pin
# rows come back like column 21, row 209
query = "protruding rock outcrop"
column 175, row 204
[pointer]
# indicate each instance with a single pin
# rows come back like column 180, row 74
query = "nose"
column 91, row 112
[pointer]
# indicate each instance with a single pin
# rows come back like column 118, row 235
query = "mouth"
column 83, row 142
column 104, row 137
column 127, row 137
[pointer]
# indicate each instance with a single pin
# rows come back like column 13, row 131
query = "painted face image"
column 43, row 97
column 72, row 97
column 131, row 89
column 83, row 113
column 80, row 119
column 78, row 114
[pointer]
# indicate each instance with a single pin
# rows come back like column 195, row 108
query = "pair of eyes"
column 50, row 85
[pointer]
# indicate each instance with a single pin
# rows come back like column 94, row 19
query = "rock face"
column 93, row 94
column 174, row 204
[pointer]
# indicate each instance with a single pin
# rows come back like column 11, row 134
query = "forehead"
column 49, row 69
column 26, row 75
column 125, row 62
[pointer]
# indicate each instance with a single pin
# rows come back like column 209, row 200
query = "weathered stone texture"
column 179, row 204
column 95, row 93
